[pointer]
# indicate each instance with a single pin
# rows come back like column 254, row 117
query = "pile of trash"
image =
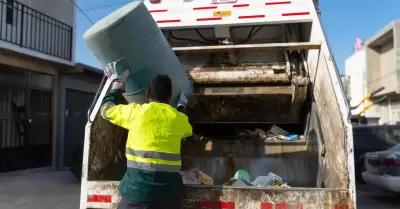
column 274, row 133
column 241, row 179
column 196, row 177
column 270, row 180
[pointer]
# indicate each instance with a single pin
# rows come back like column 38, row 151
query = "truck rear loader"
column 251, row 66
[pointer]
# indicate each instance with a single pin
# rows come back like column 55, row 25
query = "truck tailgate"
column 104, row 194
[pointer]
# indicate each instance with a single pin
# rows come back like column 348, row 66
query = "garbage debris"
column 274, row 138
column 290, row 137
column 285, row 186
column 242, row 179
column 261, row 134
column 190, row 177
column 205, row 179
column 267, row 181
column 242, row 175
column 276, row 130
column 274, row 133
column 258, row 134
column 253, row 134
column 195, row 176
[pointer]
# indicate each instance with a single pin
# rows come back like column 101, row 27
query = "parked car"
column 372, row 138
column 383, row 169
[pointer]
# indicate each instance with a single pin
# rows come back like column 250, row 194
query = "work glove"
column 182, row 101
column 117, row 85
column 110, row 69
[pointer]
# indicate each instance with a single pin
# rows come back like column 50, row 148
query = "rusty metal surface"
column 331, row 121
column 277, row 104
column 275, row 67
column 245, row 197
column 300, row 81
column 239, row 75
column 245, row 90
column 299, row 96
column 233, row 104
column 251, row 198
column 271, row 108
column 248, row 47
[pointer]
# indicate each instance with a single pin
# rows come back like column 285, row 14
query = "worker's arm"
column 181, row 107
column 186, row 128
column 120, row 115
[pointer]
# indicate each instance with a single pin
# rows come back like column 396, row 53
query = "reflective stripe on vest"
column 153, row 167
column 152, row 154
column 146, row 160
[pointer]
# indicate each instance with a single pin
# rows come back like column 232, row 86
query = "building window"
column 10, row 12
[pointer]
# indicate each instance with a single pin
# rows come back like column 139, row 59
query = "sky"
column 343, row 22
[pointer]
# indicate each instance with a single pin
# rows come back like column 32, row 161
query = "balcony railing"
column 31, row 29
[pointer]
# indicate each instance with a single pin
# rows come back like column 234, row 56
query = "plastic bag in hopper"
column 270, row 180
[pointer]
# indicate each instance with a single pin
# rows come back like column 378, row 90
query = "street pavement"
column 39, row 189
column 45, row 189
column 371, row 197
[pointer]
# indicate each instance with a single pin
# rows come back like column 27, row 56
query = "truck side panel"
column 328, row 137
column 264, row 198
column 231, row 198
column 333, row 112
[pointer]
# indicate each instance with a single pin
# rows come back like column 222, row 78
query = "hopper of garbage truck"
column 267, row 92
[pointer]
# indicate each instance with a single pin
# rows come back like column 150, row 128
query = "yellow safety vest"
column 155, row 133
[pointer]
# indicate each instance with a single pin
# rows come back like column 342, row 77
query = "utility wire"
column 83, row 12
column 89, row 5
column 106, row 6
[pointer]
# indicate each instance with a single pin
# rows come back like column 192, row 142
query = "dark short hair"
column 160, row 88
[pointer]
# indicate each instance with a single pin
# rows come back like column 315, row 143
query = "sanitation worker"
column 152, row 179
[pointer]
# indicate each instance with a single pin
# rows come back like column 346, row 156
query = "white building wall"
column 355, row 72
column 377, row 65
column 388, row 77
column 62, row 10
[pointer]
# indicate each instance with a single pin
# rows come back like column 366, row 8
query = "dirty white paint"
column 318, row 34
column 85, row 163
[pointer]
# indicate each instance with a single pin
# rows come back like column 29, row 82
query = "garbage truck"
column 264, row 98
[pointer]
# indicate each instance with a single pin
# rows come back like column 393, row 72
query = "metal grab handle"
column 368, row 97
column 95, row 107
column 372, row 104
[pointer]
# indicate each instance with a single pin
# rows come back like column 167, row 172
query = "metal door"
column 40, row 127
column 25, row 128
column 13, row 129
column 77, row 104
